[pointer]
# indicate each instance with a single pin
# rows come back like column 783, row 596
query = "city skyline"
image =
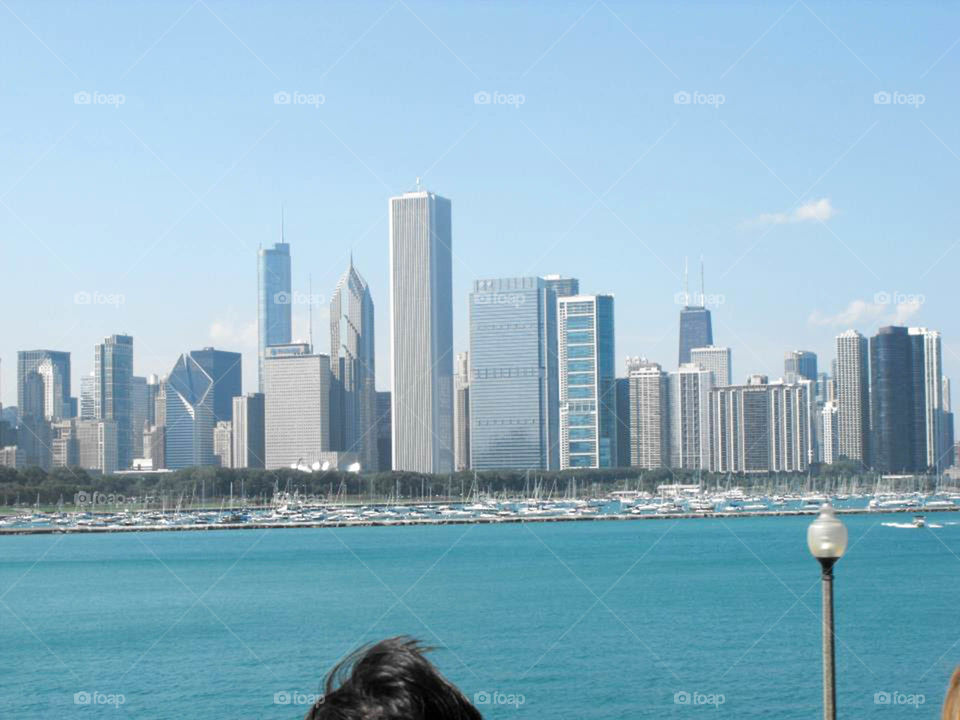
column 770, row 190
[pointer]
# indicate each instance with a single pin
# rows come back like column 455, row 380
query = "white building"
column 649, row 414
column 716, row 359
column 689, row 391
column 297, row 406
column 933, row 383
column 853, row 397
column 223, row 443
column 828, row 418
column 421, row 332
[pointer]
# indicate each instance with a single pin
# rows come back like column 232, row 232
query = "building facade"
column 274, row 299
column 113, row 400
column 718, row 360
column 853, row 397
column 461, row 412
column 689, row 392
column 421, row 332
column 649, row 414
column 189, row 415
column 587, row 380
column 353, row 397
column 248, row 431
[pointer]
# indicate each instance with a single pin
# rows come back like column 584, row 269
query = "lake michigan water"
column 632, row 619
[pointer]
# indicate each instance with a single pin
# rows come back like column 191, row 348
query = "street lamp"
column 827, row 540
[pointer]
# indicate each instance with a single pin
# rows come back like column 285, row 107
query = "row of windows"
column 580, row 393
column 581, row 322
column 580, row 336
column 580, row 351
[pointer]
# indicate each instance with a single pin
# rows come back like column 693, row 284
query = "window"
column 580, row 351
column 582, row 336
column 580, row 393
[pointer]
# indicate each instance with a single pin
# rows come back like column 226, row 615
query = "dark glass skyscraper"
column 274, row 299
column 224, row 368
column 799, row 364
column 897, row 408
column 113, row 400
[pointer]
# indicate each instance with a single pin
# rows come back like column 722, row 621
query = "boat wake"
column 911, row 526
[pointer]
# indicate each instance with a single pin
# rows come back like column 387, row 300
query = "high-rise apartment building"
column 649, row 414
column 853, row 397
column 689, row 392
column 461, row 412
column 718, row 360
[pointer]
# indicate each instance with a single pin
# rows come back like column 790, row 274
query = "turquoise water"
column 565, row 620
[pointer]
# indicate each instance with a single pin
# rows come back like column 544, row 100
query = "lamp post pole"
column 827, row 541
column 829, row 670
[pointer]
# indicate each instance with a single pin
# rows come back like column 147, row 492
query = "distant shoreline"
column 461, row 521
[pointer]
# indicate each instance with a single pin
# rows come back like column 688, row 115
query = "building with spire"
column 353, row 391
column 274, row 298
column 696, row 328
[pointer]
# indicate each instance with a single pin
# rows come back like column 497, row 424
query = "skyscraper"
column 190, row 420
column 274, row 298
column 696, row 328
column 853, row 397
column 508, row 361
column 555, row 286
column 223, row 443
column 623, row 422
column 421, row 332
column 898, row 400
column 224, row 369
column 649, row 415
column 799, row 364
column 55, row 367
column 689, row 393
column 113, row 378
column 587, row 374
column 88, row 397
column 932, row 387
column 829, row 444
column 296, row 406
column 384, row 431
column 718, row 360
column 461, row 412
column 248, row 431
column 353, row 392
column 138, row 403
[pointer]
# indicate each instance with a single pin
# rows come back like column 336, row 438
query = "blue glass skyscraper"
column 588, row 416
column 274, row 299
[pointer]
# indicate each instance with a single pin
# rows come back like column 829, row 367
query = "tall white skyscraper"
column 829, row 420
column 853, row 397
column 421, row 332
column 297, row 406
column 461, row 412
column 649, row 414
column 689, row 391
column 716, row 359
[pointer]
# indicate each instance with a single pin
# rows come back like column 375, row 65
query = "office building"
column 649, row 414
column 696, row 327
column 55, row 368
column 461, row 412
column 718, row 360
column 353, row 395
column 384, row 431
column 421, row 332
column 799, row 364
column 188, row 415
column 587, row 379
column 249, row 450
column 623, row 421
column 897, row 403
column 113, row 380
column 223, row 443
column 274, row 299
column 932, row 389
column 88, row 397
column 555, row 286
column 225, row 370
column 296, row 406
column 87, row 444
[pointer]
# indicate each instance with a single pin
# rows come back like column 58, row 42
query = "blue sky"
column 815, row 208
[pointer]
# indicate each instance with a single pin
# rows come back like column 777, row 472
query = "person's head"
column 391, row 680
column 951, row 704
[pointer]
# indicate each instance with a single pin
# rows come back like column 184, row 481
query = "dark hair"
column 391, row 680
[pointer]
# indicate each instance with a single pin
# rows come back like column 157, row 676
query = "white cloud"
column 231, row 335
column 862, row 312
column 821, row 210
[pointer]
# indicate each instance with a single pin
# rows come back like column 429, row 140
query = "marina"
column 293, row 511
